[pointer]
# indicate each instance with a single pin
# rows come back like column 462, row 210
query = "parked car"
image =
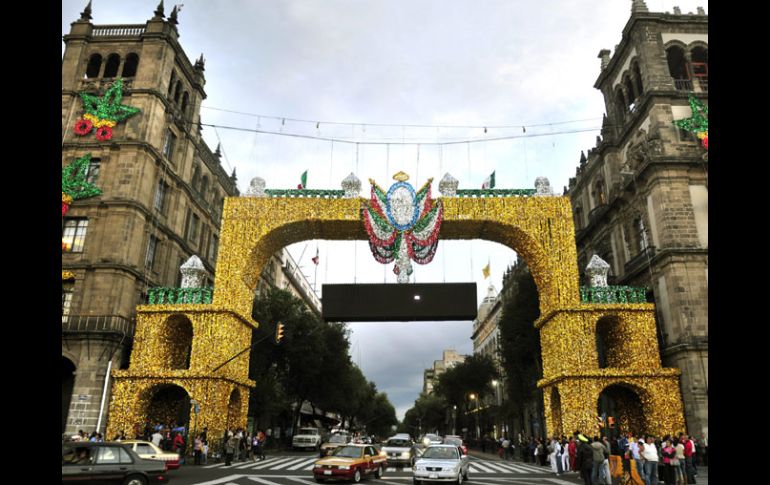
column 334, row 442
column 148, row 451
column 112, row 462
column 444, row 463
column 306, row 438
column 457, row 441
column 350, row 462
column 400, row 450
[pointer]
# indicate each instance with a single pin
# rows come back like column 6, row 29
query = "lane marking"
column 256, row 463
column 220, row 480
column 303, row 463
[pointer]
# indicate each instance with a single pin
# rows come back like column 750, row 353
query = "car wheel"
column 357, row 476
column 459, row 478
column 380, row 472
column 465, row 475
column 415, row 481
column 135, row 480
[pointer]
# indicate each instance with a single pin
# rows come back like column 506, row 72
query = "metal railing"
column 118, row 31
column 308, row 193
column 114, row 324
column 179, row 296
column 683, row 84
column 613, row 294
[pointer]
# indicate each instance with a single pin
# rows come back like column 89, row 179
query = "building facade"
column 640, row 197
column 450, row 358
column 163, row 191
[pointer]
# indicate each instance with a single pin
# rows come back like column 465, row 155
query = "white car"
column 441, row 463
column 307, row 438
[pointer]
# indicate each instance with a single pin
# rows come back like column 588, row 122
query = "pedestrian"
column 572, row 450
column 197, row 450
column 584, row 459
column 689, row 472
column 597, row 468
column 156, row 438
column 506, row 448
column 556, row 465
column 205, row 453
column 606, row 465
column 231, row 448
column 694, row 456
column 649, row 454
column 635, row 448
column 679, row 462
column 565, row 454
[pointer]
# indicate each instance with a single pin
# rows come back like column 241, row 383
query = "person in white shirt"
column 633, row 446
column 555, row 456
column 156, row 437
column 650, row 455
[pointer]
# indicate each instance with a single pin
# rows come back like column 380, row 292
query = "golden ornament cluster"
column 540, row 229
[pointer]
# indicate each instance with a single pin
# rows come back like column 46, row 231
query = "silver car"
column 441, row 463
column 399, row 450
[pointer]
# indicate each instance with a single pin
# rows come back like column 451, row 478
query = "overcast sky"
column 504, row 68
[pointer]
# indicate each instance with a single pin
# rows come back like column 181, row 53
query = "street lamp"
column 454, row 416
column 473, row 398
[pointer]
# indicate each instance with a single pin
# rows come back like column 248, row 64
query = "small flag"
column 485, row 270
column 489, row 183
column 303, row 180
column 315, row 259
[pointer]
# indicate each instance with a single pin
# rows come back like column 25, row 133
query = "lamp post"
column 454, row 416
column 495, row 383
column 474, row 398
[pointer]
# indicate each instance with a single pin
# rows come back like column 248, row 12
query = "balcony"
column 97, row 324
column 597, row 213
column 699, row 85
column 639, row 261
column 119, row 30
column 179, row 296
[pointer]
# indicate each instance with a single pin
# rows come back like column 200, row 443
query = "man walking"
column 649, row 453
column 584, row 460
column 597, row 468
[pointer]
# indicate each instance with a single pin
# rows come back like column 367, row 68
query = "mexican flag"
column 303, row 180
column 489, row 183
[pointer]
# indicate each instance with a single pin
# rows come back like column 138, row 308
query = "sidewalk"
column 701, row 479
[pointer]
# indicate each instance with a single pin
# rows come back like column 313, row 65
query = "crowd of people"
column 671, row 460
column 240, row 445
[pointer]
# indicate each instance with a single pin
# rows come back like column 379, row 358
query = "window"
column 638, row 79
column 131, row 65
column 74, row 234
column 193, row 232
column 214, row 247
column 196, row 178
column 92, row 175
column 111, row 69
column 204, row 188
column 66, row 301
column 185, row 103
column 177, row 92
column 112, row 455
column 149, row 260
column 160, row 196
column 641, row 234
column 171, row 83
column 599, row 195
column 94, row 66
column 203, row 247
column 169, row 145
column 143, row 449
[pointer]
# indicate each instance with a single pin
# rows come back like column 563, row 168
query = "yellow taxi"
column 350, row 462
column 148, row 451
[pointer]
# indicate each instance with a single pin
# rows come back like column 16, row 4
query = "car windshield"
column 338, row 438
column 396, row 442
column 453, row 441
column 349, row 452
column 441, row 453
column 308, row 431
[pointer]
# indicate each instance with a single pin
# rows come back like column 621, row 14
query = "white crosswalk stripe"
column 215, row 465
column 495, row 467
column 298, row 464
column 265, row 464
column 479, row 468
column 534, row 468
column 252, row 464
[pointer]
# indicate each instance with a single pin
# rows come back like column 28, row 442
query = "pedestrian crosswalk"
column 305, row 463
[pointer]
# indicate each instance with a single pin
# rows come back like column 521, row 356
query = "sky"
column 409, row 74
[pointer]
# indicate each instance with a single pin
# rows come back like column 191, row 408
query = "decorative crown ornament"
column 448, row 186
column 256, row 188
column 402, row 224
column 596, row 271
column 193, row 273
column 352, row 186
column 543, row 186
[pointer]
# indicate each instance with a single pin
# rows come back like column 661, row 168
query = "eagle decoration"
column 402, row 224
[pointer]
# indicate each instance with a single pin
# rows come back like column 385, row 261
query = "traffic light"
column 278, row 332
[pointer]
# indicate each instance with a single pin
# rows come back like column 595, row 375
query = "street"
column 291, row 468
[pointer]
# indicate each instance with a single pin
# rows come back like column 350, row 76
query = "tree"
column 520, row 343
column 426, row 416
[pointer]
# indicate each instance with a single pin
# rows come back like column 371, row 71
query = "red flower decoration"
column 104, row 133
column 705, row 142
column 83, row 127
column 64, row 208
column 299, row 187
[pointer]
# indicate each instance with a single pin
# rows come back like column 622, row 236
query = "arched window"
column 205, row 187
column 171, row 83
column 621, row 105
column 131, row 65
column 94, row 66
column 599, row 195
column 677, row 67
column 196, row 178
column 699, row 65
column 638, row 80
column 185, row 102
column 631, row 94
column 111, row 69
column 177, row 92
column 177, row 332
column 578, row 218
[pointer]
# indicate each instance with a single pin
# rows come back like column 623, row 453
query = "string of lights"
column 358, row 142
column 318, row 124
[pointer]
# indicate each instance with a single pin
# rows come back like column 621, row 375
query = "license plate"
column 433, row 475
column 327, row 472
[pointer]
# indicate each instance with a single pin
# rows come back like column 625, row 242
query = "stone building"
column 450, row 358
column 163, row 193
column 640, row 196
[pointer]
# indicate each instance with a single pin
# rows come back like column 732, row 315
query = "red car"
column 350, row 462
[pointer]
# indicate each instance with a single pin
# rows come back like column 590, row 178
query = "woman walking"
column 669, row 454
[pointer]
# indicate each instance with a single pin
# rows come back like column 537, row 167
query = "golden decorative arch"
column 540, row 229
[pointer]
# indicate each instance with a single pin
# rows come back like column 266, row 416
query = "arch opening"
column 169, row 405
column 625, row 405
column 558, row 429
column 177, row 334
column 113, row 63
column 94, row 66
column 131, row 65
